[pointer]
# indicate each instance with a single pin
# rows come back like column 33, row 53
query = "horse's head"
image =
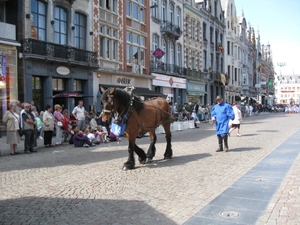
column 107, row 99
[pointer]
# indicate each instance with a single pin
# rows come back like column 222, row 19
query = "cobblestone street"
column 67, row 185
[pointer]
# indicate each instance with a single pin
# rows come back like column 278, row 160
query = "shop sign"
column 123, row 81
column 169, row 81
column 62, row 70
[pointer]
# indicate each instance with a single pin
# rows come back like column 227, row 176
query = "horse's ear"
column 102, row 89
column 112, row 90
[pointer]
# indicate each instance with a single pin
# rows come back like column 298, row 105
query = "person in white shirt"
column 79, row 114
column 235, row 124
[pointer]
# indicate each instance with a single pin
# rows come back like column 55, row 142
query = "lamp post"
column 281, row 64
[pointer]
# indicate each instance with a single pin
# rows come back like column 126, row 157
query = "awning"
column 146, row 92
column 69, row 95
column 255, row 99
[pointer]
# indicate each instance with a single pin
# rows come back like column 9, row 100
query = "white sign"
column 62, row 70
column 123, row 81
column 263, row 82
column 169, row 81
column 257, row 85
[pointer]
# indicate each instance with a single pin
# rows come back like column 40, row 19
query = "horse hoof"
column 149, row 160
column 142, row 161
column 127, row 168
column 167, row 157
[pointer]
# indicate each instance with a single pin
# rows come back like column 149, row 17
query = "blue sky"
column 278, row 23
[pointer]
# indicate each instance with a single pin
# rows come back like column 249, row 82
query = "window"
column 37, row 95
column 80, row 31
column 60, row 26
column 235, row 74
column 155, row 42
column 163, row 10
column 38, row 11
column 172, row 54
column 178, row 16
column 102, row 47
column 171, row 13
column 193, row 60
column 78, row 85
column 204, row 60
column 211, row 61
column 228, row 47
column 154, row 8
column 135, row 48
column 136, row 10
column 110, row 5
column 108, row 43
column 211, row 35
column 57, row 84
column 187, row 26
column 193, row 28
column 204, row 32
column 164, row 48
column 179, row 54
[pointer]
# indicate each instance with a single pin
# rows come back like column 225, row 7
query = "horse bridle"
column 125, row 112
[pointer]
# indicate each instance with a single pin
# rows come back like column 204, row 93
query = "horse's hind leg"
column 151, row 150
column 169, row 152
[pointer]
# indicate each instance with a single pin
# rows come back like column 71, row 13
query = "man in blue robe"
column 221, row 113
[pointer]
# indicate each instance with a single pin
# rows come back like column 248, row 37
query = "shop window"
column 57, row 84
column 37, row 96
column 78, row 85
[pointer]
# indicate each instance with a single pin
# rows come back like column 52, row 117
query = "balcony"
column 170, row 29
column 166, row 68
column 33, row 48
column 193, row 73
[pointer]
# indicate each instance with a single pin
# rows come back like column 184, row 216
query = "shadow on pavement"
column 175, row 161
column 37, row 210
column 243, row 149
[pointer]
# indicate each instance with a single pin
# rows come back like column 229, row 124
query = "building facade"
column 213, row 39
column 287, row 89
column 166, row 55
column 193, row 43
column 56, row 54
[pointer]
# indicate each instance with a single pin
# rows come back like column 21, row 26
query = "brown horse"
column 142, row 117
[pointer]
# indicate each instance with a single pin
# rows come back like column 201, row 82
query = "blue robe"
column 223, row 113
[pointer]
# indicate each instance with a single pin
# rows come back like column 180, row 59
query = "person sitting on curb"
column 81, row 140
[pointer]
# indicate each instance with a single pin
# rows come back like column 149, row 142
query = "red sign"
column 158, row 53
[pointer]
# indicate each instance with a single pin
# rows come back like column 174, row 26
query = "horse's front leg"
column 151, row 150
column 130, row 163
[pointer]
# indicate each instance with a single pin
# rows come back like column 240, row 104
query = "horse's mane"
column 125, row 97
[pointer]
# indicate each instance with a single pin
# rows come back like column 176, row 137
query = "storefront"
column 8, row 74
column 195, row 92
column 173, row 87
column 44, row 81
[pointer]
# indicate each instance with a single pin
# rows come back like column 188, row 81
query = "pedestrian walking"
column 48, row 126
column 28, row 129
column 237, row 120
column 79, row 114
column 221, row 114
column 11, row 119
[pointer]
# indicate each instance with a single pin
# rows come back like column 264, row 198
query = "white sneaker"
column 40, row 137
column 86, row 145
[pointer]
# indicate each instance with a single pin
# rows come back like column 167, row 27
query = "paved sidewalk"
column 67, row 185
